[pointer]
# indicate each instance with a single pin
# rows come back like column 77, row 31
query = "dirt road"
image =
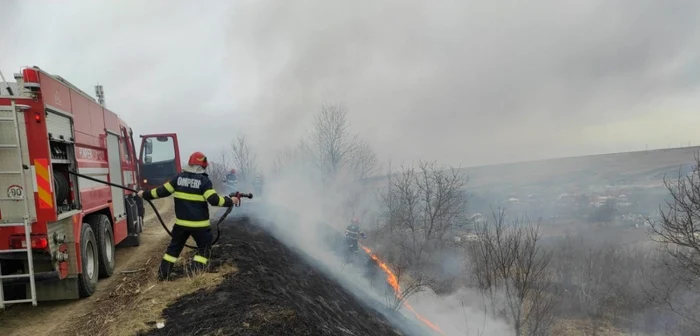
column 58, row 318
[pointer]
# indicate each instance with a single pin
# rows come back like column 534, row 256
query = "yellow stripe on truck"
column 43, row 183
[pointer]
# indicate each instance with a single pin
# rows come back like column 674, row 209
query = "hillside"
column 640, row 167
column 275, row 290
column 629, row 167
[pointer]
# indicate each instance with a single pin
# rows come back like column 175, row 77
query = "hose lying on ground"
column 160, row 219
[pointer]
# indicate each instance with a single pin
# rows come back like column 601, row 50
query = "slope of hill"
column 646, row 168
column 630, row 167
column 275, row 291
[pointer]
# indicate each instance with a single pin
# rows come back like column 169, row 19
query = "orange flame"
column 394, row 283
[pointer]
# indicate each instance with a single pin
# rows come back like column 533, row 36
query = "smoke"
column 307, row 207
column 461, row 82
column 460, row 313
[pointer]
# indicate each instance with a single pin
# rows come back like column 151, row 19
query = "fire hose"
column 155, row 210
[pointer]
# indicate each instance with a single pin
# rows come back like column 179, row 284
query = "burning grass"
column 393, row 281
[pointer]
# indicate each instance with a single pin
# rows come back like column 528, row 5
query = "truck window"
column 163, row 150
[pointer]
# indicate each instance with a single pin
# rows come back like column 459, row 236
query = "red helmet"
column 354, row 220
column 233, row 171
column 198, row 159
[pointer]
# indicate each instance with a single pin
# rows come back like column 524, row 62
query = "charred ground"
column 276, row 291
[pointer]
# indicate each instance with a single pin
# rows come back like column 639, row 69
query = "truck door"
column 159, row 160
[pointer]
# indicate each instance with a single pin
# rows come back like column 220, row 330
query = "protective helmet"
column 198, row 159
column 233, row 171
column 354, row 220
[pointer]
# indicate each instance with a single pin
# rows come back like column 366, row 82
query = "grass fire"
column 393, row 281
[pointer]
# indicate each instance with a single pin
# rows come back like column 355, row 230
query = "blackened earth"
column 275, row 291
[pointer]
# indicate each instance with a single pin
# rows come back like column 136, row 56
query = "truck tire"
column 87, row 279
column 104, row 235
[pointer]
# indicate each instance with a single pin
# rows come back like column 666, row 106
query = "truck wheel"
column 87, row 280
column 105, row 243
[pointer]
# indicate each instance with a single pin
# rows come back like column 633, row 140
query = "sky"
column 461, row 82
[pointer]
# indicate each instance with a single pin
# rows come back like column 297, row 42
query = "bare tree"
column 422, row 206
column 332, row 139
column 364, row 161
column 335, row 148
column 331, row 148
column 678, row 231
column 484, row 276
column 292, row 158
column 244, row 158
column 679, row 227
column 510, row 257
column 218, row 168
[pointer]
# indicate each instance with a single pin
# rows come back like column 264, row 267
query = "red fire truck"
column 58, row 230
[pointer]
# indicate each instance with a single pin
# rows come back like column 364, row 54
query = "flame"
column 393, row 281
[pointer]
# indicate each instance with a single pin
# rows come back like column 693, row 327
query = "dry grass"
column 136, row 303
column 146, row 309
column 582, row 327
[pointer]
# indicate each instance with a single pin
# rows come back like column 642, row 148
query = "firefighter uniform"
column 352, row 233
column 192, row 192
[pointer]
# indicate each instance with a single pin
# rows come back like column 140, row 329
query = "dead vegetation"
column 136, row 299
column 510, row 270
column 137, row 303
column 420, row 208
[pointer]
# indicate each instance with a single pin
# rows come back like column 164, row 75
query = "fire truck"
column 59, row 224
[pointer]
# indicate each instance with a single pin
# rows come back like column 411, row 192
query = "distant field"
column 642, row 168
column 638, row 168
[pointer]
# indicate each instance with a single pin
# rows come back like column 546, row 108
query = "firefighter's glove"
column 235, row 199
column 140, row 193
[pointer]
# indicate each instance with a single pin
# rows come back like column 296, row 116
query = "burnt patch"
column 275, row 291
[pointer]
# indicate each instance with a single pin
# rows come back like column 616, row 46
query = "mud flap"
column 134, row 214
column 66, row 289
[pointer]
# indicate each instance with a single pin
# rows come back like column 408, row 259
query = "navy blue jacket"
column 193, row 193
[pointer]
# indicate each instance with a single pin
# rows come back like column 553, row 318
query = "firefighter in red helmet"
column 192, row 190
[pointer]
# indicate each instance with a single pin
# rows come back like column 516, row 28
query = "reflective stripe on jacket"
column 352, row 231
column 192, row 192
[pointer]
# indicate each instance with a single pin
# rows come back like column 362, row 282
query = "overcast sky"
column 462, row 82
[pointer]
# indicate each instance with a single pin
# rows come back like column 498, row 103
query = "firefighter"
column 258, row 184
column 231, row 181
column 352, row 233
column 192, row 190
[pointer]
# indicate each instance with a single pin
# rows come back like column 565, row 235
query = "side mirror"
column 147, row 159
column 148, row 146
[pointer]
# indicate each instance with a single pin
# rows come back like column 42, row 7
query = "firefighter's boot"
column 199, row 264
column 164, row 270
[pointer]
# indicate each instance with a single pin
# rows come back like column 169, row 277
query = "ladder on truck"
column 9, row 150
